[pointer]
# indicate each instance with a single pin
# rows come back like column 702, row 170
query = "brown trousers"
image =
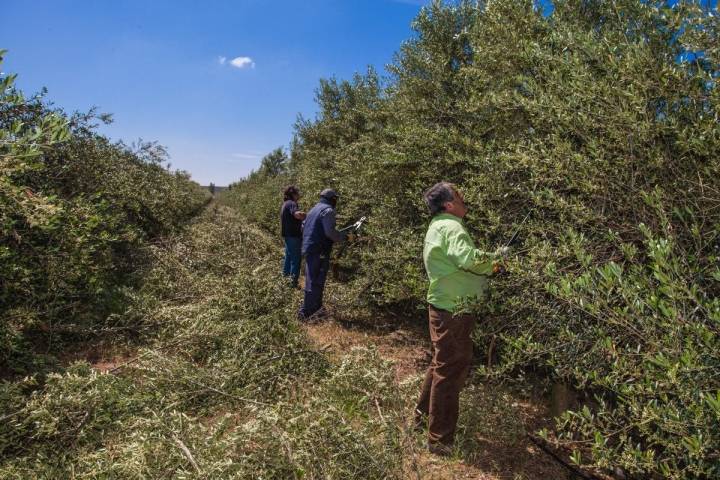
column 446, row 375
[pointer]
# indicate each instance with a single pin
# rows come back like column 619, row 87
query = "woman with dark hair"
column 290, row 193
column 291, row 230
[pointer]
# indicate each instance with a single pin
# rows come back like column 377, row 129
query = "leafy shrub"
column 76, row 212
column 259, row 196
column 594, row 134
column 230, row 387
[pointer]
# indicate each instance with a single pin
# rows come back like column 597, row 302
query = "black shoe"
column 440, row 449
column 316, row 317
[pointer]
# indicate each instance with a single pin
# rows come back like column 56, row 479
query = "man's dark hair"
column 436, row 196
column 289, row 192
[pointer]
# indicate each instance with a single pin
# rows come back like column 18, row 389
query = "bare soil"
column 492, row 430
column 101, row 355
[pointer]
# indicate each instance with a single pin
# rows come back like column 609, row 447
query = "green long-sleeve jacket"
column 455, row 268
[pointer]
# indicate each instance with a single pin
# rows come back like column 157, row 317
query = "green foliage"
column 75, row 213
column 230, row 386
column 274, row 163
column 591, row 125
column 259, row 195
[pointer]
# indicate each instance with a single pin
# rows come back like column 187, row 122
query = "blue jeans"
column 291, row 265
column 316, row 269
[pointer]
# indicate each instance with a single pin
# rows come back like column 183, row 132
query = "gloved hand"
column 351, row 237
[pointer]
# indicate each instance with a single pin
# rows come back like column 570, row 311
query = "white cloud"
column 246, row 156
column 242, row 62
column 222, row 60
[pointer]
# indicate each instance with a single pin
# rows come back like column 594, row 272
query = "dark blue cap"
column 329, row 194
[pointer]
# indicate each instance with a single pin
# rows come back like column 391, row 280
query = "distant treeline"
column 214, row 189
column 594, row 133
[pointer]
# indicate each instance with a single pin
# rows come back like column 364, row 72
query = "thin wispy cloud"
column 222, row 60
column 246, row 156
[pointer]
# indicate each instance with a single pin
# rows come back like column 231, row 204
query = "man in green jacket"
column 457, row 271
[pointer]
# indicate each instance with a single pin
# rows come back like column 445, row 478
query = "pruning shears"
column 499, row 267
column 355, row 227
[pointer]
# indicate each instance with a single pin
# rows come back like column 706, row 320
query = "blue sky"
column 157, row 66
column 220, row 82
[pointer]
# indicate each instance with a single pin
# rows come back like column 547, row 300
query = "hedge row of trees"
column 225, row 388
column 76, row 211
column 594, row 133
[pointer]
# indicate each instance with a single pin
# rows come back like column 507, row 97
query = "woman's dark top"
column 289, row 225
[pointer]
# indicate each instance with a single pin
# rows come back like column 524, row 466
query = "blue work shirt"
column 319, row 232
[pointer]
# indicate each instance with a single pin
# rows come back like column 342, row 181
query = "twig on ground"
column 490, row 352
column 229, row 395
column 574, row 470
column 290, row 354
column 377, row 404
column 188, row 455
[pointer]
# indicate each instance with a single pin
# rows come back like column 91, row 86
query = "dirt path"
column 494, row 420
column 491, row 440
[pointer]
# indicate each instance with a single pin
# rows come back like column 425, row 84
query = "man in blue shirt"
column 319, row 234
column 291, row 230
